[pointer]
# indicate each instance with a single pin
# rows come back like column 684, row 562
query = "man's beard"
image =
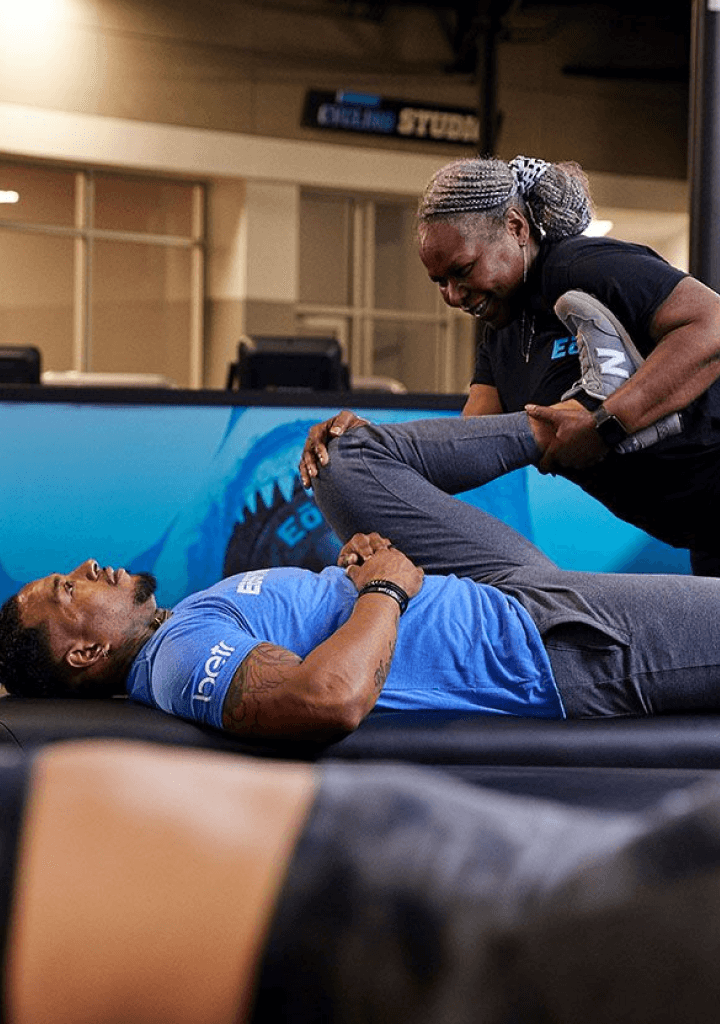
column 145, row 587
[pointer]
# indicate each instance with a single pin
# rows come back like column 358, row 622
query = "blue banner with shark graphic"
column 193, row 490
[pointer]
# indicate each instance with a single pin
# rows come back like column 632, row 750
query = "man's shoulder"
column 188, row 664
column 218, row 590
column 251, row 582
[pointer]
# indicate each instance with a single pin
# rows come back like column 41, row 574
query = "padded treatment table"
column 614, row 764
column 454, row 740
column 664, row 741
column 28, row 722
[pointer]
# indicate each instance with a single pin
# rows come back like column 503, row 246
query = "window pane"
column 46, row 196
column 141, row 310
column 137, row 204
column 407, row 352
column 325, row 250
column 36, row 296
column 401, row 281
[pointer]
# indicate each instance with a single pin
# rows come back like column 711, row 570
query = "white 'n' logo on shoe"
column 611, row 362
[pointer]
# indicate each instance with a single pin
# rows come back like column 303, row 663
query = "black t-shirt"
column 631, row 280
column 551, row 366
column 671, row 490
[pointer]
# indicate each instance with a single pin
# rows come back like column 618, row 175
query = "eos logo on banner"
column 374, row 115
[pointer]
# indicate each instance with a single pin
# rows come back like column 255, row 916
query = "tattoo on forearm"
column 381, row 672
column 261, row 672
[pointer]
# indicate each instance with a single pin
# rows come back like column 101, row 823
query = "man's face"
column 90, row 606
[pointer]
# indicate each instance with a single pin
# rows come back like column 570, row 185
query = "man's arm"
column 275, row 694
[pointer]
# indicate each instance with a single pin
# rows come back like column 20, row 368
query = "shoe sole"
column 589, row 308
column 586, row 307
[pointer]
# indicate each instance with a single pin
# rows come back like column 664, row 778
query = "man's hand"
column 360, row 547
column 314, row 454
column 575, row 442
column 383, row 562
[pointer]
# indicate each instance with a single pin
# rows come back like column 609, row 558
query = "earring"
column 525, row 262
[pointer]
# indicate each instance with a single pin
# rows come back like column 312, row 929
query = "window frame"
column 85, row 235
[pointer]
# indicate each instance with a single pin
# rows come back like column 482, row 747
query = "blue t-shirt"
column 460, row 646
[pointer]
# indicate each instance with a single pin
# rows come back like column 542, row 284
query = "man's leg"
column 619, row 644
column 398, row 480
column 654, row 648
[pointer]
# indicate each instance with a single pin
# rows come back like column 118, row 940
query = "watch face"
column 284, row 532
column 611, row 430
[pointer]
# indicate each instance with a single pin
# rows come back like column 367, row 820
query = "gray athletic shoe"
column 608, row 358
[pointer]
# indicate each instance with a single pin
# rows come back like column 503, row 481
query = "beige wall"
column 616, row 124
column 213, row 91
column 244, row 67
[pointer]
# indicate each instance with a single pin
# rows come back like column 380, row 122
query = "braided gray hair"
column 554, row 197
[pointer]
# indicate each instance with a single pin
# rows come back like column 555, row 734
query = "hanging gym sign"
column 402, row 119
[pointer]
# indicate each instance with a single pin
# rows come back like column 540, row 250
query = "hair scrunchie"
column 526, row 171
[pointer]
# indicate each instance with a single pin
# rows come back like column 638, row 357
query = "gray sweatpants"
column 619, row 644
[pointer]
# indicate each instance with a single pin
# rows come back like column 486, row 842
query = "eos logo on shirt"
column 564, row 347
column 251, row 582
column 219, row 655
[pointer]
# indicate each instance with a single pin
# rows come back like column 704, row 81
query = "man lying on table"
column 286, row 653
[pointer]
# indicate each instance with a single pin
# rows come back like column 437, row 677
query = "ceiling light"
column 598, row 227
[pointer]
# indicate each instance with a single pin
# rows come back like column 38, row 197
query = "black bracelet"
column 388, row 588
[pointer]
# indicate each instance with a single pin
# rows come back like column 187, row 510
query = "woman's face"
column 480, row 270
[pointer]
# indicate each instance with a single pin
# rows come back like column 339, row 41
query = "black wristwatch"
column 609, row 427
